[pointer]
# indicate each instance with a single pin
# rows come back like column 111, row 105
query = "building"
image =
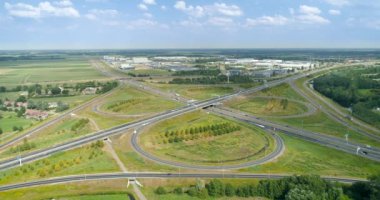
column 89, row 90
column 235, row 72
column 53, row 105
column 140, row 60
column 36, row 114
column 126, row 67
column 262, row 73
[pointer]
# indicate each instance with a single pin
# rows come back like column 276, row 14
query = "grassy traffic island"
column 199, row 138
column 268, row 106
column 132, row 101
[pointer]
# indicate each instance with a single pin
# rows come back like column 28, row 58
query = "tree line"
column 356, row 88
column 199, row 72
column 220, row 79
column 304, row 187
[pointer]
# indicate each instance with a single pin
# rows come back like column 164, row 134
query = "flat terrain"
column 282, row 90
column 198, row 92
column 67, row 129
column 203, row 147
column 10, row 119
column 71, row 191
column 14, row 73
column 302, row 157
column 87, row 159
column 264, row 106
column 132, row 101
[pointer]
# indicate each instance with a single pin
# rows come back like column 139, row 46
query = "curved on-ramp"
column 279, row 144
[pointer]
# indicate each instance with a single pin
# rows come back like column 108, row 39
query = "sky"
column 161, row 24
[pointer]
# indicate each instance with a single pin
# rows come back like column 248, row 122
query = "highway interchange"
column 211, row 105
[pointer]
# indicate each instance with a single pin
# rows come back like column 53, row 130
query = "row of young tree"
column 193, row 133
column 117, row 106
column 221, row 79
column 305, row 187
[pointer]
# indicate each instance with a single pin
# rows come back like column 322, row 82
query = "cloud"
column 145, row 24
column 309, row 10
column 99, row 14
column 337, row 2
column 229, row 10
column 221, row 21
column 334, row 12
column 149, row 2
column 44, row 9
column 143, row 7
column 163, row 7
column 215, row 9
column 276, row 20
column 63, row 3
column 196, row 11
column 311, row 15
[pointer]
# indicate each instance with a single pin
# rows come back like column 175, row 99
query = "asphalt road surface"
column 112, row 176
column 329, row 141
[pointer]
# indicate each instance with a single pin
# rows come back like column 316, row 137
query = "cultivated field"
column 14, row 73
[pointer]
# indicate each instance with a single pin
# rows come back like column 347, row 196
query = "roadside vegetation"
column 197, row 92
column 63, row 131
column 88, row 190
column 201, row 138
column 89, row 159
column 303, row 157
column 295, row 187
column 132, row 101
column 355, row 88
column 267, row 106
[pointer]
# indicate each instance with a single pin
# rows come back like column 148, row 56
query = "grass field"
column 282, row 90
column 9, row 95
column 116, row 189
column 55, row 134
column 132, row 160
column 302, row 157
column 321, row 123
column 235, row 146
column 267, row 106
column 71, row 100
column 10, row 119
column 317, row 97
column 87, row 159
column 131, row 101
column 43, row 71
column 198, row 92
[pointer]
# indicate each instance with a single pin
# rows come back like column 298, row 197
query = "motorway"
column 325, row 140
column 333, row 115
column 53, row 121
column 349, row 147
column 13, row 162
column 134, row 175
